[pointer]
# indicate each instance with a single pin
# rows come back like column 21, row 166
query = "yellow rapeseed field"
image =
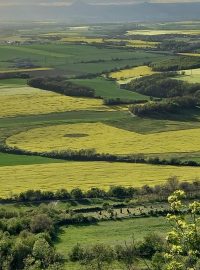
column 31, row 101
column 129, row 43
column 82, row 39
column 141, row 44
column 191, row 54
column 105, row 139
column 163, row 32
column 132, row 73
column 15, row 179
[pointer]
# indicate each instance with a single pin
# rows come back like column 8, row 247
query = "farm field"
column 191, row 76
column 129, row 43
column 13, row 160
column 191, row 54
column 86, row 175
column 126, row 75
column 110, row 232
column 152, row 32
column 99, row 136
column 109, row 89
column 16, row 102
column 75, row 59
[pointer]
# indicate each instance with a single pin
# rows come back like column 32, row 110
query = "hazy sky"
column 67, row 2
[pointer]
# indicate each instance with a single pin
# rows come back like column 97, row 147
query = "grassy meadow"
column 14, row 160
column 110, row 233
column 109, row 89
column 191, row 76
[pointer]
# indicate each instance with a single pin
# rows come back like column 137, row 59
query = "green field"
column 109, row 89
column 190, row 76
column 110, row 232
column 13, row 160
column 72, row 58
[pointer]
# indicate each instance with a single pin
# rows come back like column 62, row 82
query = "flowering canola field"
column 15, row 179
column 31, row 101
column 105, row 139
column 132, row 73
column 129, row 42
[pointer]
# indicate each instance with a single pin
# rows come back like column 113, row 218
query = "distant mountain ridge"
column 80, row 12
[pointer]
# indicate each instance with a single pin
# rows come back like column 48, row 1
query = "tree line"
column 176, row 63
column 62, row 86
column 178, row 46
column 118, row 192
column 92, row 155
column 119, row 101
column 163, row 85
column 173, row 105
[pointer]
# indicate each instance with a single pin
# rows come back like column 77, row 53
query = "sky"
column 68, row 2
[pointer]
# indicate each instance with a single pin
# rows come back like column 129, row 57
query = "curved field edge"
column 44, row 102
column 69, row 175
column 109, row 89
column 104, row 139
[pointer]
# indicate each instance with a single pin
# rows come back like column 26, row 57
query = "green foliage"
column 97, row 257
column 178, row 46
column 162, row 86
column 170, row 106
column 41, row 223
column 26, row 251
column 176, row 63
column 61, row 86
column 151, row 245
column 184, row 238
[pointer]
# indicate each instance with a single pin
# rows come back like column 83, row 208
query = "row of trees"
column 11, row 75
column 92, row 155
column 62, row 86
column 119, row 101
column 173, row 105
column 178, row 46
column 176, row 63
column 115, row 192
column 123, row 256
column 162, row 86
